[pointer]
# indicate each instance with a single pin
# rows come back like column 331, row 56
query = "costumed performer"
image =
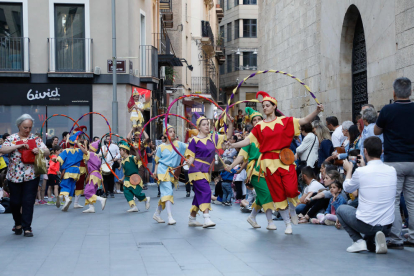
column 80, row 184
column 251, row 154
column 95, row 177
column 130, row 166
column 271, row 136
column 69, row 160
column 165, row 160
column 136, row 111
column 201, row 153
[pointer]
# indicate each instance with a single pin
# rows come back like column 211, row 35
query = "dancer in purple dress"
column 201, row 153
column 95, row 178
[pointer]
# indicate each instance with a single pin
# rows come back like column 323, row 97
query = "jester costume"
column 130, row 166
column 264, row 200
column 69, row 160
column 80, row 183
column 95, row 178
column 136, row 116
column 203, row 152
column 271, row 138
column 167, row 159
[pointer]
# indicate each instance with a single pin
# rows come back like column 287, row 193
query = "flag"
column 131, row 102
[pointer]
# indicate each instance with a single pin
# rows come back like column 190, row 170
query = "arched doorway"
column 359, row 70
column 353, row 65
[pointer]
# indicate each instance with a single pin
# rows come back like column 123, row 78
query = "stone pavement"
column 114, row 242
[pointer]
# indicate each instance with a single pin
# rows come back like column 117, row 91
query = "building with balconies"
column 56, row 58
column 238, row 36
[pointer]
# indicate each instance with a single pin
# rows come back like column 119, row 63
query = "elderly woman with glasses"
column 23, row 182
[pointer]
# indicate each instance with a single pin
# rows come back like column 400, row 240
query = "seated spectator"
column 312, row 186
column 246, row 204
column 325, row 144
column 377, row 185
column 337, row 136
column 217, row 197
column 239, row 178
column 326, row 166
column 230, row 154
column 308, row 149
column 329, row 218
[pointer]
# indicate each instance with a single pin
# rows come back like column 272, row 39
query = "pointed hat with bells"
column 266, row 97
column 252, row 113
column 199, row 118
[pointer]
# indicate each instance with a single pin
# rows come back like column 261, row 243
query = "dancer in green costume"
column 250, row 154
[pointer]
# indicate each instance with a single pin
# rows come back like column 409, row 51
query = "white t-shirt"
column 338, row 137
column 313, row 187
column 377, row 187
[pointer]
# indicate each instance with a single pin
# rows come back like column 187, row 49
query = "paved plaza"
column 114, row 242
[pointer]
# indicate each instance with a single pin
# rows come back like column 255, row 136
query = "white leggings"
column 322, row 217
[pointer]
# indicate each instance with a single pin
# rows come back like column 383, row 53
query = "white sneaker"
column 103, row 202
column 90, row 210
column 288, row 230
column 271, row 225
column 380, row 243
column 253, row 223
column 294, row 219
column 171, row 221
column 357, row 246
column 147, row 203
column 157, row 218
column 76, row 206
column 192, row 222
column 133, row 209
column 207, row 221
column 68, row 201
column 58, row 200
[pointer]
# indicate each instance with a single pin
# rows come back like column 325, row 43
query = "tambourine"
column 286, row 156
column 135, row 179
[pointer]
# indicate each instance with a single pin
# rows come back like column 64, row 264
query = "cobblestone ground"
column 114, row 242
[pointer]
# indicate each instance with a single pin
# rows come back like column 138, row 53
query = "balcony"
column 219, row 12
column 148, row 64
column 70, row 57
column 207, row 38
column 165, row 5
column 204, row 85
column 166, row 54
column 14, row 57
column 222, row 99
column 220, row 54
column 166, row 13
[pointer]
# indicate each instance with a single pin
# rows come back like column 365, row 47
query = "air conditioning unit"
column 97, row 70
column 136, row 72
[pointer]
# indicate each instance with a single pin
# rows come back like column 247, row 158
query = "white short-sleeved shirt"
column 314, row 187
column 338, row 137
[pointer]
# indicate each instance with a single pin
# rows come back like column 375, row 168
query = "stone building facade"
column 348, row 52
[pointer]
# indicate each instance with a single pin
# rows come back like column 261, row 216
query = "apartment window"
column 236, row 29
column 229, row 63
column 249, row 27
column 228, row 5
column 221, row 36
column 222, row 4
column 249, row 60
column 236, row 3
column 249, row 2
column 69, row 38
column 236, row 62
column 222, row 69
column 11, row 37
column 228, row 32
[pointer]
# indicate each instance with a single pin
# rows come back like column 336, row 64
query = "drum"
column 105, row 169
column 286, row 156
column 135, row 179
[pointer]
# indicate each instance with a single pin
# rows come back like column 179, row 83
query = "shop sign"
column 120, row 66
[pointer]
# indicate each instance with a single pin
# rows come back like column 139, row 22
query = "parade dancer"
column 165, row 160
column 130, row 165
column 272, row 135
column 201, row 153
column 95, row 178
column 69, row 160
column 251, row 154
column 80, row 184
column 136, row 111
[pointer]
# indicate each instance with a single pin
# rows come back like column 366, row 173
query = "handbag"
column 40, row 163
column 303, row 164
column 28, row 156
column 2, row 163
column 338, row 162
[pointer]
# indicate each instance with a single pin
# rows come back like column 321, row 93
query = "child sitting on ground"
column 246, row 204
column 329, row 218
column 217, row 198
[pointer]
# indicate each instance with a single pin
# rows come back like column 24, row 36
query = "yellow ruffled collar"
column 271, row 124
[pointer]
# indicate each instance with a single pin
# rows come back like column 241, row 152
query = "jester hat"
column 266, row 97
column 74, row 137
column 124, row 145
column 252, row 113
column 168, row 127
column 94, row 146
column 199, row 118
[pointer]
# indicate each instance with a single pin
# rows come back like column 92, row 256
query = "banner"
column 144, row 96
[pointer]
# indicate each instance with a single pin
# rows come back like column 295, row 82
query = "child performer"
column 273, row 135
column 95, row 178
column 251, row 154
column 166, row 159
column 69, row 161
column 201, row 153
column 130, row 165
column 136, row 111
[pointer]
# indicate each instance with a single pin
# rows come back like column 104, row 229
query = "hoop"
column 57, row 115
column 89, row 113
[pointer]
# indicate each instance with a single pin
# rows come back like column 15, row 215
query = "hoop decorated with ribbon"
column 168, row 113
column 90, row 113
column 146, row 124
column 58, row 115
column 265, row 72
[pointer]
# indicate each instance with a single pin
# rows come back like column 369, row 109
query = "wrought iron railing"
column 13, row 51
column 206, row 31
column 148, row 61
column 163, row 43
column 213, row 89
column 70, row 54
column 203, row 85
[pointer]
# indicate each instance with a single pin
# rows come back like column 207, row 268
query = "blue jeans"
column 300, row 208
column 226, row 186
